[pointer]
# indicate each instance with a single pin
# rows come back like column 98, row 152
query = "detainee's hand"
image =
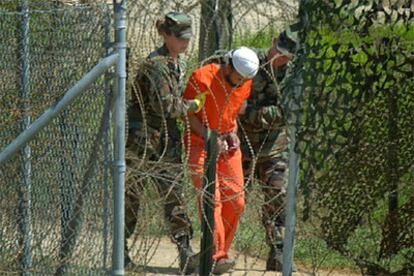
column 233, row 141
column 222, row 146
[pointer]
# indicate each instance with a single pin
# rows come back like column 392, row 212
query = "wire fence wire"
column 55, row 193
column 354, row 132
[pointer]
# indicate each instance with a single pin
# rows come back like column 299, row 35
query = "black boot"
column 127, row 260
column 128, row 263
column 275, row 260
column 189, row 260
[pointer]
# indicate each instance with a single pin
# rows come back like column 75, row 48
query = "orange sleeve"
column 194, row 85
column 190, row 90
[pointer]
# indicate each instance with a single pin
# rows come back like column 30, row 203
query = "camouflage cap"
column 180, row 24
column 287, row 42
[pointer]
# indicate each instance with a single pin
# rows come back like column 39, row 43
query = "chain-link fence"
column 353, row 117
column 55, row 194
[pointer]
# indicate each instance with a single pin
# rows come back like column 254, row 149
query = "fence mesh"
column 55, row 193
column 353, row 116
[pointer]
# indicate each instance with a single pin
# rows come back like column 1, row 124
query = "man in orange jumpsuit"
column 227, row 87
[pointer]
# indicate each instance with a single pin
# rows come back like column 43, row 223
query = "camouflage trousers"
column 166, row 175
column 272, row 176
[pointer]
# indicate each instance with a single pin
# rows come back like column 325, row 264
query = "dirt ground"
column 164, row 262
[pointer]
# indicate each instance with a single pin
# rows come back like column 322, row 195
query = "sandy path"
column 164, row 262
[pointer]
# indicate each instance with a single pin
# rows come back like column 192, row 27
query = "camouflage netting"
column 55, row 194
column 356, row 131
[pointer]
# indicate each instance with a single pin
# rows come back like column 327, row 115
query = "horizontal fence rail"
column 60, row 105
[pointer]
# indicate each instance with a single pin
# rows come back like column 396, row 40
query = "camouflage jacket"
column 263, row 121
column 159, row 85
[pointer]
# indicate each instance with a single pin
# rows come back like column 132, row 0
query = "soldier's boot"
column 275, row 260
column 189, row 260
column 127, row 260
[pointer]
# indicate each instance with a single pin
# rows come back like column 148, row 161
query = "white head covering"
column 245, row 61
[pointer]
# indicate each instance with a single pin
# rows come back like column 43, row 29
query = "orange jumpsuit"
column 219, row 113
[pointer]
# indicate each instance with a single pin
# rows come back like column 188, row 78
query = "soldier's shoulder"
column 155, row 64
column 159, row 60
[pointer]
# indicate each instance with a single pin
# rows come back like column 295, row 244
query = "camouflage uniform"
column 264, row 126
column 154, row 131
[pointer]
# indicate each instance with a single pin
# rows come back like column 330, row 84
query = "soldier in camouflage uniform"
column 264, row 125
column 154, row 136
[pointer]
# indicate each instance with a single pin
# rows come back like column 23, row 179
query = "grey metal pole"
column 294, row 158
column 290, row 220
column 53, row 111
column 25, row 193
column 119, row 154
column 107, row 150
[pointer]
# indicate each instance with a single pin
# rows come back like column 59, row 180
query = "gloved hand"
column 200, row 100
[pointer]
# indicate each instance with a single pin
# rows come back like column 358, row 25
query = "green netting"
column 356, row 130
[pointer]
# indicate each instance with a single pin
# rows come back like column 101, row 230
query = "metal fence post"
column 209, row 187
column 294, row 159
column 106, row 140
column 290, row 222
column 25, row 192
column 119, row 162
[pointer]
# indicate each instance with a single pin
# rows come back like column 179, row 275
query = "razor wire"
column 340, row 168
column 55, row 196
column 249, row 19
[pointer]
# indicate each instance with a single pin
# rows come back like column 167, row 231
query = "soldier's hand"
column 200, row 100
